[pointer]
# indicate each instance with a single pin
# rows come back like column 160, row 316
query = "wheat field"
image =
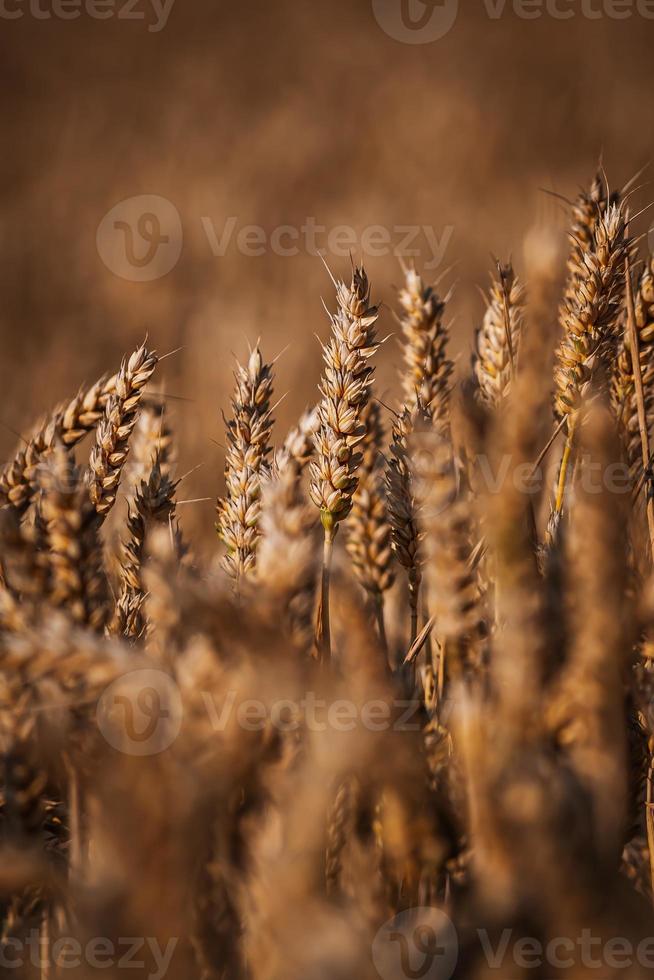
column 398, row 723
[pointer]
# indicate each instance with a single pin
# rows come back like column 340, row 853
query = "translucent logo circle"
column 140, row 239
column 141, row 712
column 435, row 472
column 416, row 21
column 418, row 944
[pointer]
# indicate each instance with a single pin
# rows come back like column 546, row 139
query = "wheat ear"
column 498, row 337
column 77, row 580
column 246, row 461
column 153, row 504
column 369, row 530
column 589, row 205
column 299, row 444
column 428, row 369
column 287, row 563
column 590, row 336
column 111, row 446
column 68, row 424
column 446, row 522
column 403, row 505
column 344, row 387
column 624, row 387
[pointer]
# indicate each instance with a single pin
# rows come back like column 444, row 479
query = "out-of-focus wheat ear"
column 152, row 438
column 521, row 643
column 286, row 576
column 69, row 423
column 369, row 529
column 153, row 504
column 76, row 581
column 445, row 519
column 111, row 447
column 163, row 611
column 345, row 389
column 590, row 337
column 246, row 461
column 403, row 506
column 340, row 825
column 300, row 442
column 498, row 338
column 623, row 390
column 590, row 708
column 428, row 369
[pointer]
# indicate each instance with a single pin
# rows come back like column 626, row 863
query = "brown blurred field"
column 273, row 112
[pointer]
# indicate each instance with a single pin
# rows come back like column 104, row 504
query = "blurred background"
column 268, row 115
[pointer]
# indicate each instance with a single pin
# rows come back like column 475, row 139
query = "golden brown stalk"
column 68, row 424
column 248, row 438
column 497, row 346
column 77, row 582
column 427, row 377
column 345, row 387
column 369, row 530
column 115, row 428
